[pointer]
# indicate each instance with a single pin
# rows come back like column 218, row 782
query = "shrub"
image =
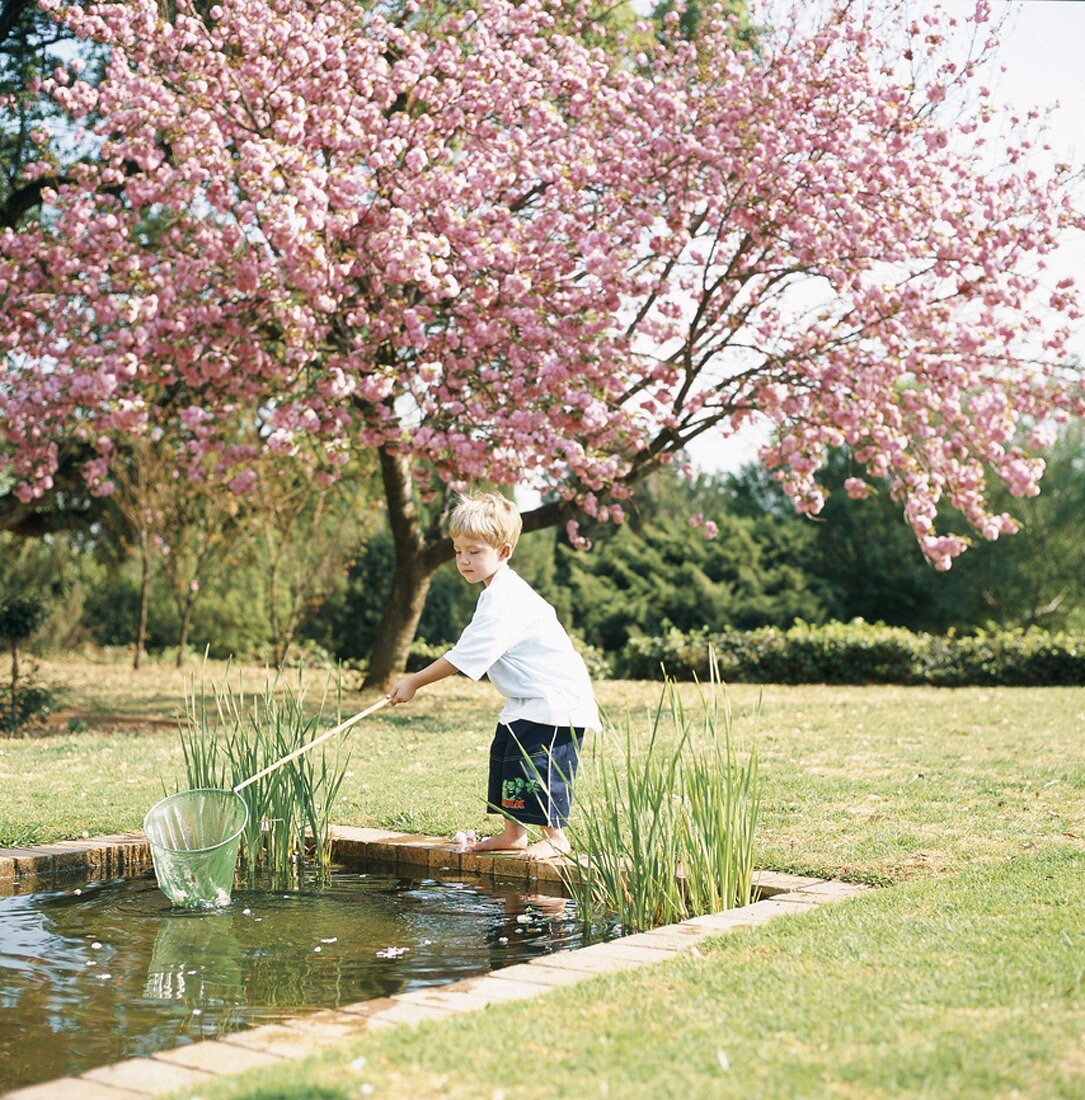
column 27, row 705
column 423, row 653
column 596, row 660
column 26, row 701
column 1011, row 658
column 861, row 653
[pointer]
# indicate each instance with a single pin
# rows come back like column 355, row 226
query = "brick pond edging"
column 198, row 1063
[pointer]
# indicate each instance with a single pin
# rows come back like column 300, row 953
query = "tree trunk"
column 410, row 584
column 415, row 565
column 186, row 625
column 14, row 678
column 144, row 592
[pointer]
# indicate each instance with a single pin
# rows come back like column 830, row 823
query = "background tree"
column 484, row 249
column 861, row 552
column 1037, row 578
column 199, row 523
column 302, row 537
column 864, row 561
column 28, row 585
column 20, row 617
column 29, row 41
column 662, row 568
column 140, row 479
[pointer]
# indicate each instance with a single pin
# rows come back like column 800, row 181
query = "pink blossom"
column 578, row 541
column 493, row 249
column 243, row 482
column 857, row 488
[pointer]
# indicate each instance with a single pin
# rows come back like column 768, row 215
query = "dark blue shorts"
column 532, row 767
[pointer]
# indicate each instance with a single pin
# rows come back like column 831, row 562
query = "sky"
column 1043, row 53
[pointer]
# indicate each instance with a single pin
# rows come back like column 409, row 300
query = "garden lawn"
column 961, row 977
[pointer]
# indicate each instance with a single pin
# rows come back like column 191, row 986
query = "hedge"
column 859, row 653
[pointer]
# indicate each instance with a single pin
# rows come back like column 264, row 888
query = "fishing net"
column 194, row 837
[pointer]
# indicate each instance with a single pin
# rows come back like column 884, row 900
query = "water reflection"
column 197, row 960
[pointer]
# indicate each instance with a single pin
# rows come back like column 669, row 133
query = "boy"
column 515, row 638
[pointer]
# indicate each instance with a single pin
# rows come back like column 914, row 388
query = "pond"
column 97, row 972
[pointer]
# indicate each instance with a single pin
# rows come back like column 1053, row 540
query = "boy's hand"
column 403, row 691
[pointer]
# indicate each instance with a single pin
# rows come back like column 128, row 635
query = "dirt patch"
column 77, row 721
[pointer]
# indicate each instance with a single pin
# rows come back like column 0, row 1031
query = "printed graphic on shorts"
column 513, row 792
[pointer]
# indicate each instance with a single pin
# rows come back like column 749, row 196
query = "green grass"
column 916, row 991
column 962, row 978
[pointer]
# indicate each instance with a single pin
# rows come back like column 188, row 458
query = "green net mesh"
column 194, row 836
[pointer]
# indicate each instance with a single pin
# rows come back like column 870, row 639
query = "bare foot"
column 547, row 848
column 507, row 841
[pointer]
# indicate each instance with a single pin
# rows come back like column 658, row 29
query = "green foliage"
column 768, row 567
column 861, row 653
column 44, row 569
column 666, row 833
column 692, row 13
column 424, row 653
column 25, row 704
column 231, row 621
column 25, row 701
column 28, row 51
column 640, row 578
column 864, row 556
column 656, row 571
column 1011, row 658
column 865, row 563
column 1037, row 577
column 20, row 616
column 598, row 663
column 636, row 582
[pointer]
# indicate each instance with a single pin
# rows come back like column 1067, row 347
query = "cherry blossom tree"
column 487, row 249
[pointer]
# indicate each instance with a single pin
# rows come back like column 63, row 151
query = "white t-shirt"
column 515, row 638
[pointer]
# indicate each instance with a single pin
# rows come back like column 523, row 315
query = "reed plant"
column 315, row 780
column 665, row 826
column 228, row 735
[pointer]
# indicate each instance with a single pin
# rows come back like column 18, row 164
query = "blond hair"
column 487, row 516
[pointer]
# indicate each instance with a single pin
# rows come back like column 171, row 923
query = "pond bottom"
column 102, row 971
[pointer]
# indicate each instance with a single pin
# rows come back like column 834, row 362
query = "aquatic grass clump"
column 665, row 830
column 228, row 735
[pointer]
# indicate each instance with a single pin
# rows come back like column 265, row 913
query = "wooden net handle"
column 345, row 725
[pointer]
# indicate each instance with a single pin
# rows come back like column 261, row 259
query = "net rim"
column 197, row 790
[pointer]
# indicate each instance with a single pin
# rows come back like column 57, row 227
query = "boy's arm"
column 404, row 689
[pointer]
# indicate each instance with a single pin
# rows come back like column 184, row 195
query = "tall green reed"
column 665, row 825
column 228, row 735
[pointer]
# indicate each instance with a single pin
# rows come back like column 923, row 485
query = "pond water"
column 97, row 972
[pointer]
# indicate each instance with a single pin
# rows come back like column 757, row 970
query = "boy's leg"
column 514, row 835
column 537, row 788
column 563, row 760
